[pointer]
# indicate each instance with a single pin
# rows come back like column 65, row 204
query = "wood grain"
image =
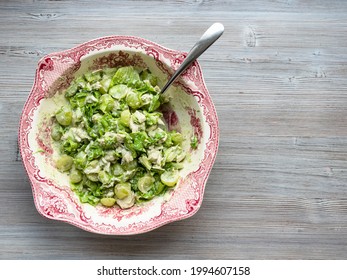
column 278, row 189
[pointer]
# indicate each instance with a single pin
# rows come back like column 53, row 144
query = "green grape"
column 144, row 184
column 108, row 201
column 75, row 176
column 94, row 177
column 122, row 190
column 64, row 116
column 119, row 91
column 133, row 99
column 64, row 163
column 169, row 178
column 176, row 137
column 56, row 132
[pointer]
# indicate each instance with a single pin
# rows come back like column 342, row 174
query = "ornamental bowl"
column 190, row 111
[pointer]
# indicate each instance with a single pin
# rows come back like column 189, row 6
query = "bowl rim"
column 22, row 137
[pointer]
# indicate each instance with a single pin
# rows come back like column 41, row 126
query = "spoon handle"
column 206, row 40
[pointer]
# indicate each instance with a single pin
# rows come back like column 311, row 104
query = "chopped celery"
column 194, row 142
column 125, row 75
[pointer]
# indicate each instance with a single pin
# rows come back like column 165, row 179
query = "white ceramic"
column 191, row 111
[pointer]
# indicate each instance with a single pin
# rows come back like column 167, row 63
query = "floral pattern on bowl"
column 190, row 110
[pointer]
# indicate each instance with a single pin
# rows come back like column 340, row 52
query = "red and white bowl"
column 191, row 111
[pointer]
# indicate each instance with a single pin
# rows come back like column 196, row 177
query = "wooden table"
column 278, row 77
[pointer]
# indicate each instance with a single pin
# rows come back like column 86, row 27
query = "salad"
column 112, row 139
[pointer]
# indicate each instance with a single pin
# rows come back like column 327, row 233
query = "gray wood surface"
column 278, row 77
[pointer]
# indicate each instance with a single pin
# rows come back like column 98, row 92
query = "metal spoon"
column 206, row 40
